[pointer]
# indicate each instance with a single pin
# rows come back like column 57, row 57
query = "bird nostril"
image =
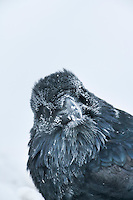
column 66, row 119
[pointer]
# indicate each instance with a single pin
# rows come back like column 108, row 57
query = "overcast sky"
column 92, row 38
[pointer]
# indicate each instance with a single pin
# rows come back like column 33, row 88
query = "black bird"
column 81, row 147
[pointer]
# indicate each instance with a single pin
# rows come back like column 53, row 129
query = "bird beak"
column 71, row 111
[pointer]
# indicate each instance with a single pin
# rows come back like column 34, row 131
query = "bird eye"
column 39, row 111
column 43, row 111
column 46, row 112
column 83, row 99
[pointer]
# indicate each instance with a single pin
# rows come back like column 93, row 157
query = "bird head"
column 66, row 116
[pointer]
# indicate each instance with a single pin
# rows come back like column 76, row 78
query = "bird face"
column 65, row 128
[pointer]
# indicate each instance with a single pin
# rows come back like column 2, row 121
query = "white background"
column 92, row 38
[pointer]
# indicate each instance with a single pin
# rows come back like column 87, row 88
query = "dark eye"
column 82, row 99
column 43, row 111
column 46, row 112
column 84, row 96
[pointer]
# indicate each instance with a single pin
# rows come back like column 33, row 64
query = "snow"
column 93, row 39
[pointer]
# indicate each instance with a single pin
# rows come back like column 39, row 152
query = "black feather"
column 81, row 147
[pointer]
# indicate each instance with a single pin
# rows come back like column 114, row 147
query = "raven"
column 81, row 147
